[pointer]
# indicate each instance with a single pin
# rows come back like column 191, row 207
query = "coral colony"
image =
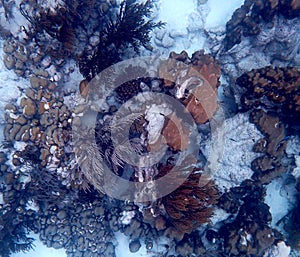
column 105, row 138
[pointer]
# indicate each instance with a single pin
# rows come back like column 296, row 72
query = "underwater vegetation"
column 112, row 29
column 52, row 175
column 130, row 28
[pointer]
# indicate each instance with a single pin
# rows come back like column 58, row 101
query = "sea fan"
column 13, row 236
column 190, row 205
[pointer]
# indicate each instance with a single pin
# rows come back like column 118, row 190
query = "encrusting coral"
column 43, row 122
column 249, row 234
column 273, row 146
column 246, row 20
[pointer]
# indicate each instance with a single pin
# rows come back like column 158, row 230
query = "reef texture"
column 291, row 225
column 191, row 81
column 196, row 90
column 230, row 151
column 276, row 89
column 71, row 26
column 43, row 122
column 51, row 163
column 96, row 34
column 249, row 234
column 246, row 20
column 129, row 28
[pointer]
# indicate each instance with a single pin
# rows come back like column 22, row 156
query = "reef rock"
column 229, row 151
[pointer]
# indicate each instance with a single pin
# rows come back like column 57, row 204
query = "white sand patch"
column 281, row 199
column 122, row 247
column 175, row 13
column 220, row 12
column 14, row 25
column 279, row 250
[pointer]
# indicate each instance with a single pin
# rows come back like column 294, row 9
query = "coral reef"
column 16, row 219
column 81, row 228
column 72, row 26
column 249, row 234
column 275, row 89
column 93, row 33
column 246, row 20
column 277, row 46
column 196, row 88
column 43, row 122
column 194, row 81
column 60, row 144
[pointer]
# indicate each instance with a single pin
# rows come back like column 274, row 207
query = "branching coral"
column 276, row 89
column 90, row 31
column 13, row 238
column 15, row 221
column 57, row 24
